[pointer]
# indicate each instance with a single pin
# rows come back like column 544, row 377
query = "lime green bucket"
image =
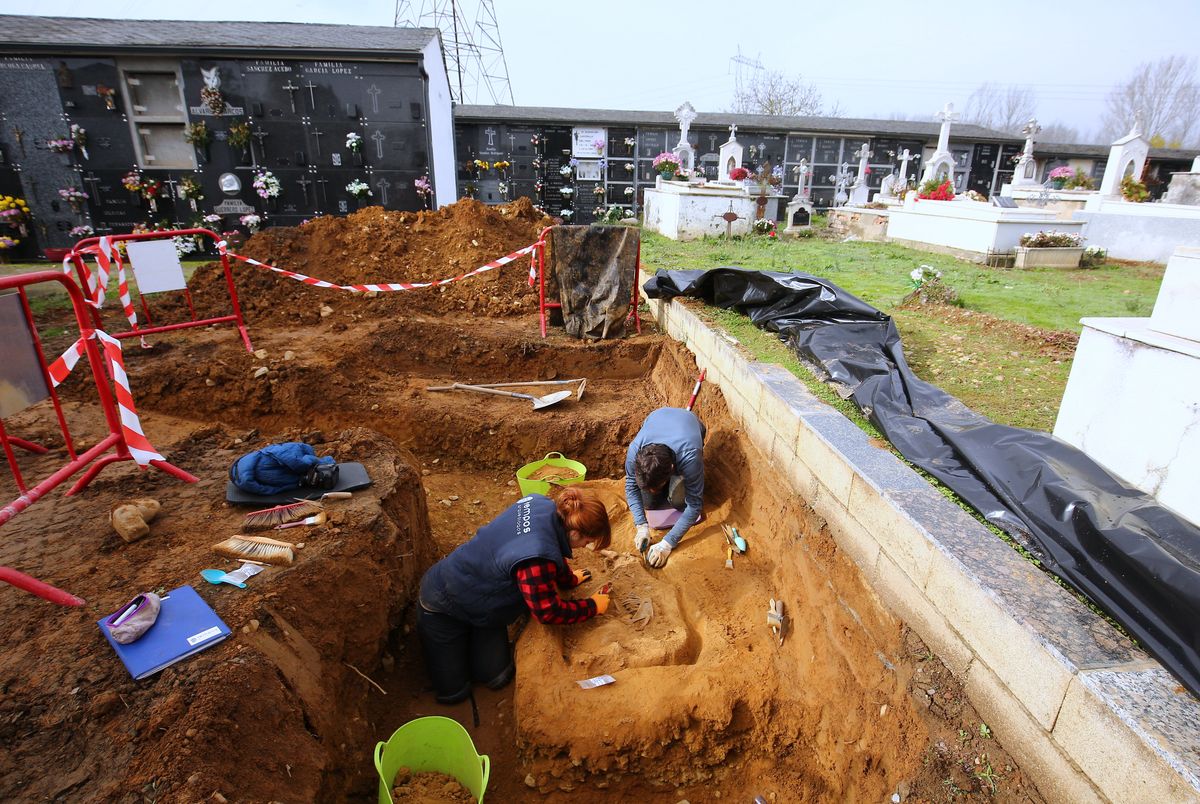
column 436, row 744
column 556, row 460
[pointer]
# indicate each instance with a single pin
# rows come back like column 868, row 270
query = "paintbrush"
column 281, row 514
column 316, row 519
column 267, row 518
column 258, row 548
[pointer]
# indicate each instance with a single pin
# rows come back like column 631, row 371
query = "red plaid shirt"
column 537, row 580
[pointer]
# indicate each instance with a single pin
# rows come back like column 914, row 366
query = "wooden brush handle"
column 337, row 495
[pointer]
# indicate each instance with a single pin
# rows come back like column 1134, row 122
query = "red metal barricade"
column 104, row 250
column 95, row 458
column 539, row 265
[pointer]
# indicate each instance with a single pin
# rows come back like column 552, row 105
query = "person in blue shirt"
column 664, row 468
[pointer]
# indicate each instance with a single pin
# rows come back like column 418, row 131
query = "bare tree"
column 1059, row 132
column 1005, row 109
column 773, row 92
column 1167, row 94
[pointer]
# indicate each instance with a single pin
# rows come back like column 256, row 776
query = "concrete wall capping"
column 1086, row 713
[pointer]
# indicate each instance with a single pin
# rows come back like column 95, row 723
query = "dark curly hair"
column 652, row 466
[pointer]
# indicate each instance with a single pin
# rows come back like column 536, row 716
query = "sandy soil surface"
column 706, row 705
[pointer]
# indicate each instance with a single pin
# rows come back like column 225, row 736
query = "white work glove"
column 641, row 539
column 657, row 557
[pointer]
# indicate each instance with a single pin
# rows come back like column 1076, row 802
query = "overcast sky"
column 874, row 57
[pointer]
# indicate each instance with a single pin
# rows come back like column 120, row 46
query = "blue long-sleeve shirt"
column 680, row 430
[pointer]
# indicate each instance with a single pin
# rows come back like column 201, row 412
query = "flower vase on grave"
column 1057, row 184
column 153, row 205
column 75, row 205
column 357, row 157
column 135, row 200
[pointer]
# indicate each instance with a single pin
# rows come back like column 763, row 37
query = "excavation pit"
column 706, row 704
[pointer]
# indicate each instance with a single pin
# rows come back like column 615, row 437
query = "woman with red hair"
column 515, row 563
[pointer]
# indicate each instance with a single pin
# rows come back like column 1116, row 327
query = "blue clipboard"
column 186, row 625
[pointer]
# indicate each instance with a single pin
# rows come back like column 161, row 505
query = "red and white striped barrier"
column 389, row 286
column 97, row 281
column 131, row 427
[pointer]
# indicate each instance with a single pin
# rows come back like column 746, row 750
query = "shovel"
column 579, row 393
column 539, row 402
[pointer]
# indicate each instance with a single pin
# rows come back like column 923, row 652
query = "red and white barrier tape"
column 390, row 286
column 97, row 282
column 131, row 427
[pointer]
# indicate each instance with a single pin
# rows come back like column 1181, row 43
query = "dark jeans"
column 458, row 653
column 670, row 496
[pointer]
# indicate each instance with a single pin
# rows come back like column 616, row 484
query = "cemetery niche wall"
column 538, row 141
column 116, row 137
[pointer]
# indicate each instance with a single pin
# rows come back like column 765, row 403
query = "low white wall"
column 977, row 228
column 1132, row 403
column 1144, row 232
column 1087, row 715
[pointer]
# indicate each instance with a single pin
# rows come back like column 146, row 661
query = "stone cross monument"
column 685, row 114
column 859, row 194
column 1025, row 174
column 942, row 161
column 730, row 155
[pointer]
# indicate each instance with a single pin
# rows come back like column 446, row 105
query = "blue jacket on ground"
column 274, row 469
column 680, row 430
column 476, row 582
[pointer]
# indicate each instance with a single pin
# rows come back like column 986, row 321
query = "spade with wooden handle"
column 539, row 402
column 579, row 392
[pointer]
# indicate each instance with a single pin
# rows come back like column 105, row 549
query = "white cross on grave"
column 905, row 158
column 312, row 98
column 379, row 137
column 685, row 114
column 374, row 92
column 733, row 132
column 383, row 185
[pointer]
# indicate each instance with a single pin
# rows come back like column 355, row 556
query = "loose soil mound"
column 376, row 246
column 428, row 788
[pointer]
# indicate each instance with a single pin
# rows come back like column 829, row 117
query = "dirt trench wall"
column 703, row 694
column 273, row 712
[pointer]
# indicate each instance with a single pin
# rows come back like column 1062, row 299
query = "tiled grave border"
column 1086, row 714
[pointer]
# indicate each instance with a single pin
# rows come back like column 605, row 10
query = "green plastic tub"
column 436, row 744
column 555, row 459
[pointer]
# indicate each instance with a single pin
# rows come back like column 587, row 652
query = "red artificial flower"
column 738, row 173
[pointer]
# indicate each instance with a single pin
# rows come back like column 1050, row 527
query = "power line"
column 475, row 59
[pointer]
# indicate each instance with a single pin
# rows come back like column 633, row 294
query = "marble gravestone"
column 1025, row 174
column 1144, row 427
column 941, row 163
column 859, row 192
column 800, row 209
column 685, row 114
column 730, row 156
column 1127, row 157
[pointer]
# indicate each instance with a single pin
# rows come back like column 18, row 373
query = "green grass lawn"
column 1009, row 373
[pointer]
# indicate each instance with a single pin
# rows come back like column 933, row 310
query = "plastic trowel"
column 236, row 578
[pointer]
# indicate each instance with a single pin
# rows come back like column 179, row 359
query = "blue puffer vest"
column 475, row 583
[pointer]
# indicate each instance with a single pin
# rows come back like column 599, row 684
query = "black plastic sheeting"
column 1135, row 559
